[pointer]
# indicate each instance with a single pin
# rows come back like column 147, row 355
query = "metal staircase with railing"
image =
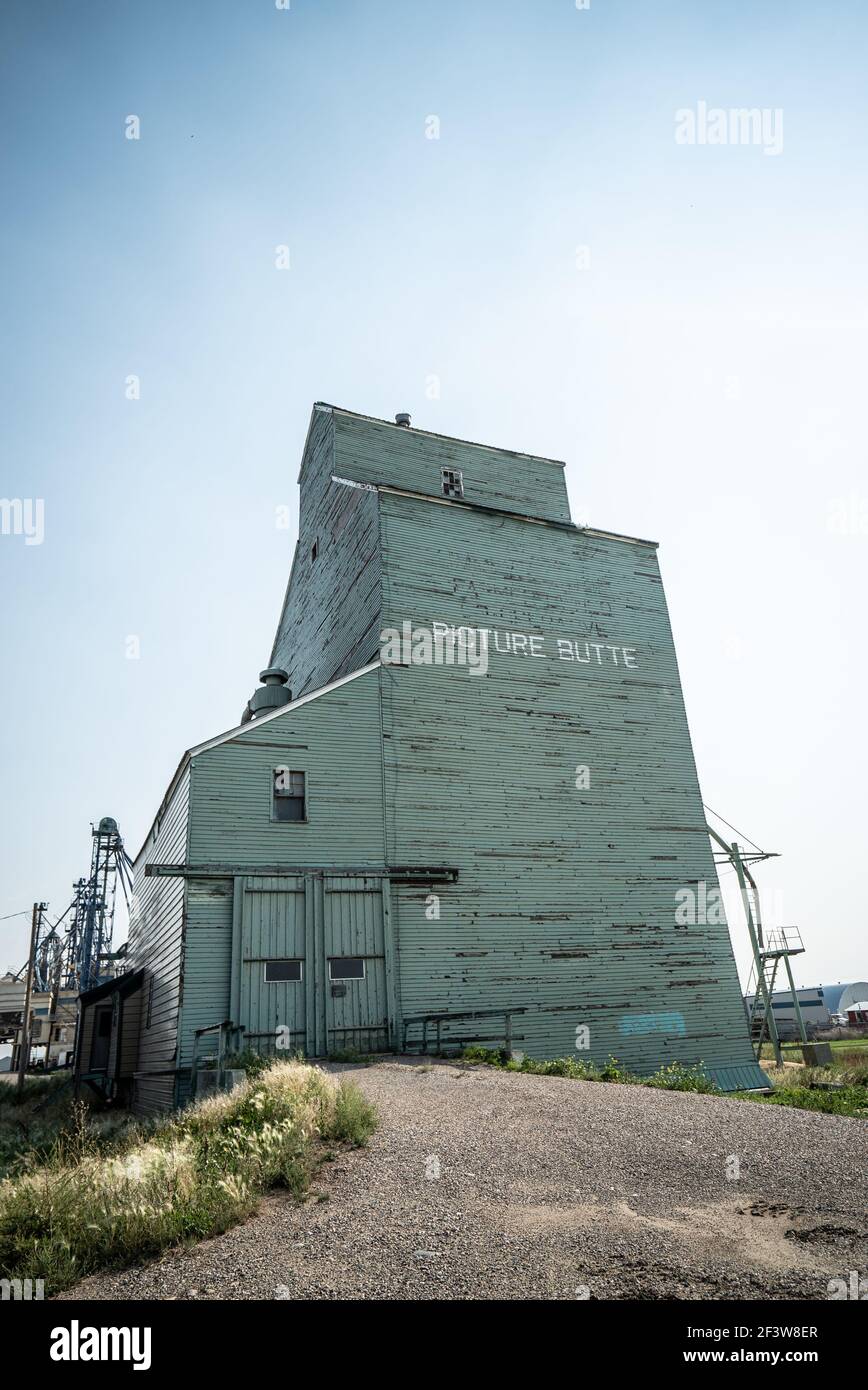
column 770, row 949
column 780, row 944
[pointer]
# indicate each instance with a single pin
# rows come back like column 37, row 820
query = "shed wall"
column 335, row 740
column 84, row 1042
column 208, row 949
column 156, row 942
column 128, row 1060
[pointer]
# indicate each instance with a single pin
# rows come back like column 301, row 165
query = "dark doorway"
column 102, row 1033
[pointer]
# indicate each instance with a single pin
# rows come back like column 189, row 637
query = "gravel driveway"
column 485, row 1184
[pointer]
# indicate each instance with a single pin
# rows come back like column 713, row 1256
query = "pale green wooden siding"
column 274, row 926
column 208, row 952
column 335, row 740
column 565, row 903
column 156, row 941
column 358, row 1017
column 370, row 451
column 330, row 620
column 314, row 918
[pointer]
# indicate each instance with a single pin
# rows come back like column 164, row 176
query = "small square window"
column 288, row 801
column 347, row 968
column 451, row 482
column 282, row 971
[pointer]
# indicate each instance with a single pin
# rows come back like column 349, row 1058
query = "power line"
column 10, row 915
column 64, row 914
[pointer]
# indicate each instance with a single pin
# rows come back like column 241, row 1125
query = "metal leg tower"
column 769, row 950
column 96, row 902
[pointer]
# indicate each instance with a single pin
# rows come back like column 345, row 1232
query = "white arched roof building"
column 839, row 998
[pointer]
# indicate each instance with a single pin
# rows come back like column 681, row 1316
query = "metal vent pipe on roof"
column 403, row 419
column 273, row 693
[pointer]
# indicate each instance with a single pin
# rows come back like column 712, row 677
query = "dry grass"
column 195, row 1175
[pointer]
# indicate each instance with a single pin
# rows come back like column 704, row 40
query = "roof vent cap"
column 403, row 419
column 271, row 695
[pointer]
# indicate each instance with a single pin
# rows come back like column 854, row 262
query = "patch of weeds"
column 673, row 1077
column 349, row 1054
column 45, row 1122
column 851, row 1101
column 253, row 1064
column 830, row 1091
column 353, row 1119
column 35, row 1089
column 487, row 1056
column 613, row 1070
column 192, row 1174
column 678, row 1077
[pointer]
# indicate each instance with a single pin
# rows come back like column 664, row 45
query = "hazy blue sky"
column 700, row 367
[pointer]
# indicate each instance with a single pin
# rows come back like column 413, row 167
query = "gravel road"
column 485, row 1184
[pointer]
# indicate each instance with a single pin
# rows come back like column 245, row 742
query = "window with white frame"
column 347, row 968
column 278, row 972
column 451, row 482
column 288, row 798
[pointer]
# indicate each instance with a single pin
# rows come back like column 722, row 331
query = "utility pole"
column 24, row 1046
column 53, row 1000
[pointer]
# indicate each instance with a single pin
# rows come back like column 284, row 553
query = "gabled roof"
column 118, row 984
column 284, row 709
column 244, row 729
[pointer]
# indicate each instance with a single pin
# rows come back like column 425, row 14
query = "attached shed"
column 110, row 1017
